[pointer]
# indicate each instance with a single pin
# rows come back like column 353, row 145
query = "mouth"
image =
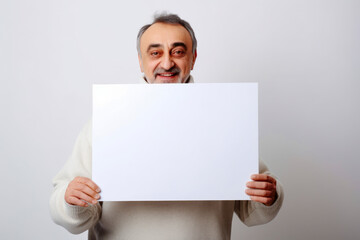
column 167, row 75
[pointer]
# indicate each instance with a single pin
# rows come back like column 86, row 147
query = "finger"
column 264, row 200
column 88, row 182
column 261, row 185
column 82, row 196
column 85, row 189
column 259, row 193
column 77, row 202
column 263, row 177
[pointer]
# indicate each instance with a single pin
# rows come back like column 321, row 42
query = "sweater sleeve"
column 253, row 213
column 75, row 219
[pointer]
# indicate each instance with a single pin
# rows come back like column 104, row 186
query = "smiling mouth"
column 166, row 74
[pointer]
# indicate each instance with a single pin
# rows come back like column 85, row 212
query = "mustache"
column 171, row 70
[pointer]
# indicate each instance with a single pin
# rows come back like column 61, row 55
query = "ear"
column 194, row 59
column 140, row 63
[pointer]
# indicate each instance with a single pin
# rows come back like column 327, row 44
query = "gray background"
column 304, row 54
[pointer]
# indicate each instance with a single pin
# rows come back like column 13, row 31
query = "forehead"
column 165, row 34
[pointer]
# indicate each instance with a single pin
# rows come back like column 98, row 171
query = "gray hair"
column 170, row 19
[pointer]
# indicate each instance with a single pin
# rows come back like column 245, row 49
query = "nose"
column 167, row 62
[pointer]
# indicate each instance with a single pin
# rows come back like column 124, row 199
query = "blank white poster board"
column 154, row 142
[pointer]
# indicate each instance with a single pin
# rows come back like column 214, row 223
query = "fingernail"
column 98, row 190
column 97, row 196
column 94, row 202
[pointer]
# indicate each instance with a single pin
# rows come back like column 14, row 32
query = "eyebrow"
column 154, row 45
column 175, row 44
column 181, row 44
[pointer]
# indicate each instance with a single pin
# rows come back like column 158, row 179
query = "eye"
column 178, row 52
column 155, row 53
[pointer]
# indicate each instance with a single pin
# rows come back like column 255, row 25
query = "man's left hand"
column 262, row 189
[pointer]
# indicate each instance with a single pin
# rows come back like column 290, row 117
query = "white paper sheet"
column 174, row 141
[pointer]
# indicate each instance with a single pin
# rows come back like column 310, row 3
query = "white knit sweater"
column 185, row 220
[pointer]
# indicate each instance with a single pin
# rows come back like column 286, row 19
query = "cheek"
column 185, row 65
column 151, row 66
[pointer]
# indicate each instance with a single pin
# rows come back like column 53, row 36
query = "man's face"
column 166, row 53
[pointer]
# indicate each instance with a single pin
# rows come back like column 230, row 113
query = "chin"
column 170, row 81
column 176, row 80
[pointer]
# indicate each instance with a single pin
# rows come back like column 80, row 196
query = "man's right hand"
column 81, row 191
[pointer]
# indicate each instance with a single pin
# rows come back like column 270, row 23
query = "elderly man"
column 167, row 54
